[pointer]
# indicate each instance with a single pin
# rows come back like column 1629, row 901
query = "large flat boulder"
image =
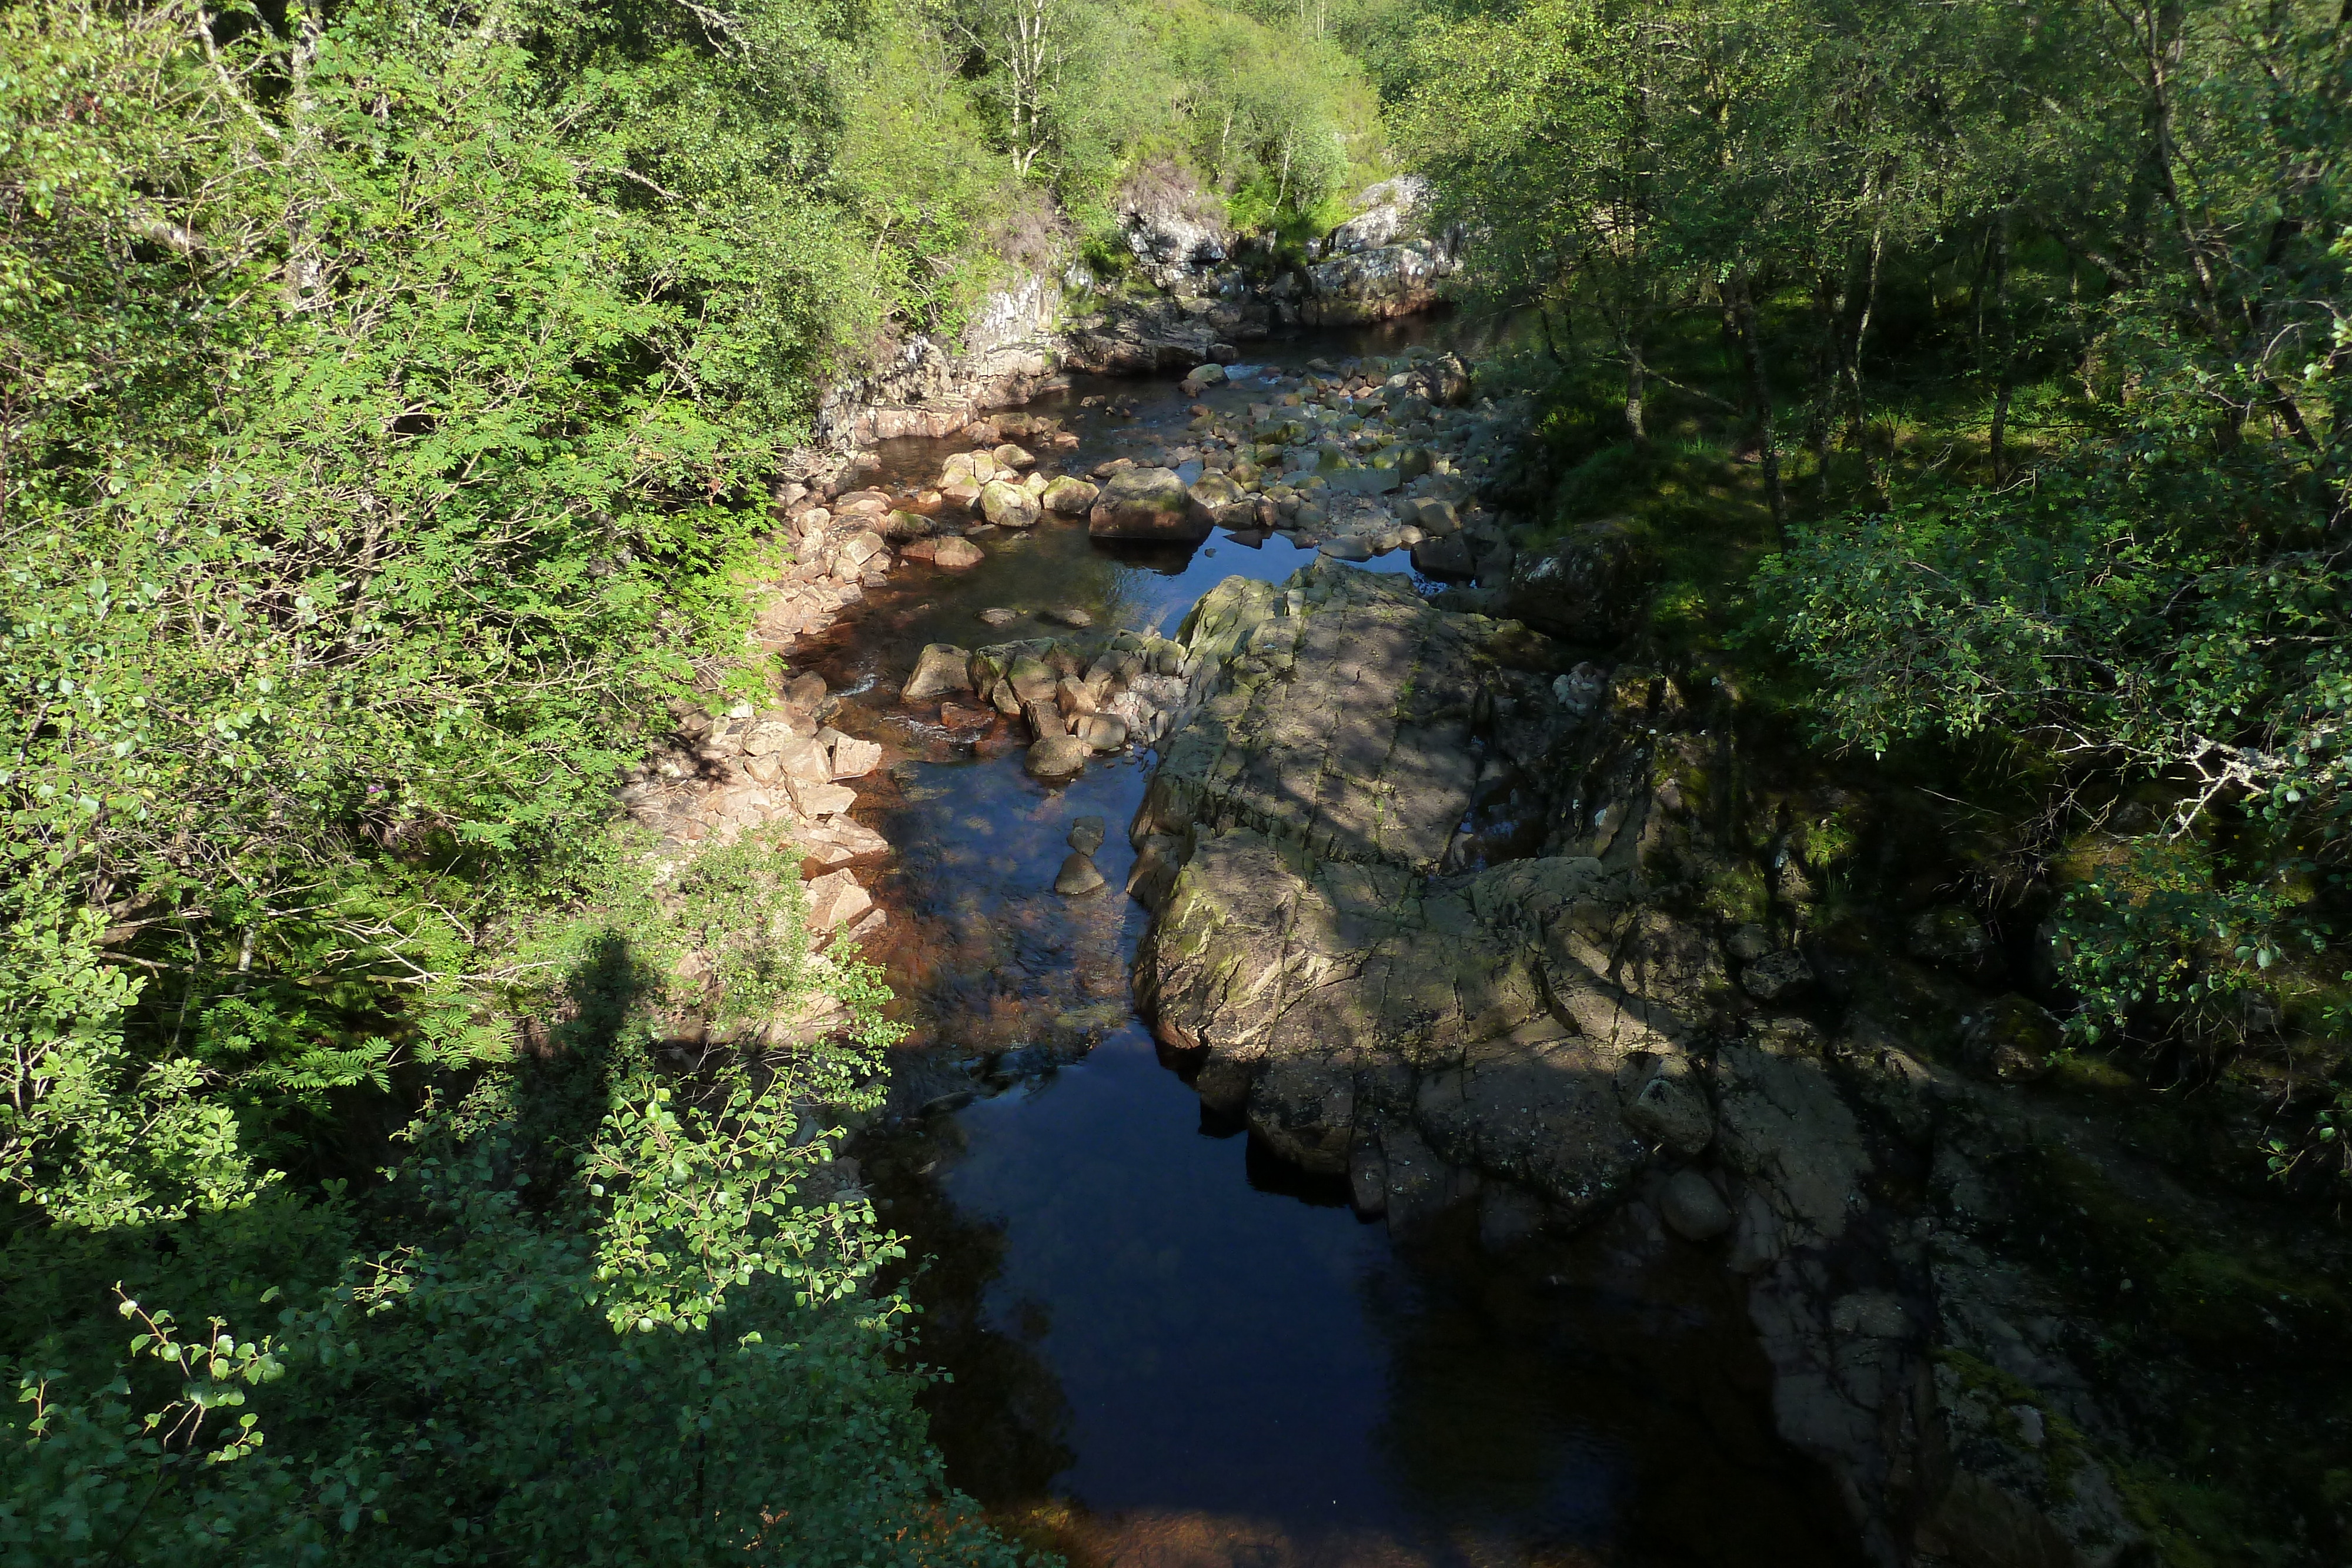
column 941, row 667
column 1345, row 986
column 1342, row 724
column 1146, row 504
column 1334, row 999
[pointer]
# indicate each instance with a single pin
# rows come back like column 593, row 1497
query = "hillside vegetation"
column 1973, row 378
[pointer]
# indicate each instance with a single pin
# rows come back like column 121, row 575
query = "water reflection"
column 1247, row 1377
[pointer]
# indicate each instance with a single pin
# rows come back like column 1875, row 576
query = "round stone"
column 1057, row 756
column 1691, row 1209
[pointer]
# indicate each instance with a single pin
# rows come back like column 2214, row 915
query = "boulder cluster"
column 1074, row 698
column 716, row 777
column 846, row 536
column 1196, row 291
column 1211, row 288
column 1357, row 459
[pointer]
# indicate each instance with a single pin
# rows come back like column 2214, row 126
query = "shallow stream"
column 1166, row 1346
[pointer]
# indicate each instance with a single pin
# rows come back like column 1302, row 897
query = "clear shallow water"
column 1168, row 1347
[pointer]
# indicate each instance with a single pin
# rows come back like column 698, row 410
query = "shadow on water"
column 1144, row 1319
column 1167, row 1345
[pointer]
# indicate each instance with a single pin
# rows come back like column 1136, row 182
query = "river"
column 1165, row 1345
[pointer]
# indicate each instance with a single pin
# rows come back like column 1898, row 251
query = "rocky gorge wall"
column 1197, row 292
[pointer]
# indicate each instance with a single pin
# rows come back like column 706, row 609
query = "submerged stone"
column 1078, row 875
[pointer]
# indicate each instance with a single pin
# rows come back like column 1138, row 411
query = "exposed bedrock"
column 1442, row 911
column 1200, row 292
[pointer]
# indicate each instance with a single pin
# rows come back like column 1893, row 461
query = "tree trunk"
column 1742, row 300
column 2004, row 332
column 1850, row 352
column 1636, row 375
column 1820, row 408
column 305, row 271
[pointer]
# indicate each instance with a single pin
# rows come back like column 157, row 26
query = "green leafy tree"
column 2164, row 599
column 392, row 398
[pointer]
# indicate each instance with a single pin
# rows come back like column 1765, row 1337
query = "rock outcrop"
column 1206, row 290
column 780, row 769
column 1342, row 981
column 1361, row 948
column 1008, row 353
column 1175, row 231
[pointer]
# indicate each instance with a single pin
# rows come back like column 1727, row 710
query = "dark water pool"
column 1167, row 1347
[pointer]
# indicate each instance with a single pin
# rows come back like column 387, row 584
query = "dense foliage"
column 1271, row 118
column 2097, row 256
column 391, row 397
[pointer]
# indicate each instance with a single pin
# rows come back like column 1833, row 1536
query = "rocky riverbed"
column 1332, row 457
column 1193, row 293
column 1553, row 1034
column 1489, row 930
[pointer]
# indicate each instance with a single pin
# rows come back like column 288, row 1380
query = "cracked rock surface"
column 1443, row 912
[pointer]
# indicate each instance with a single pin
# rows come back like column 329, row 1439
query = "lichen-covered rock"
column 1146, row 504
column 2010, row 1039
column 1781, row 976
column 1069, row 498
column 1032, row 679
column 1692, row 1209
column 1952, row 936
column 1340, row 981
column 1342, row 722
column 1431, row 515
column 1593, row 587
column 1385, row 214
column 1211, row 496
column 2013, row 1482
column 1783, row 1121
column 1057, row 756
column 1375, row 284
column 1008, row 506
column 1672, row 1111
column 1078, row 875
